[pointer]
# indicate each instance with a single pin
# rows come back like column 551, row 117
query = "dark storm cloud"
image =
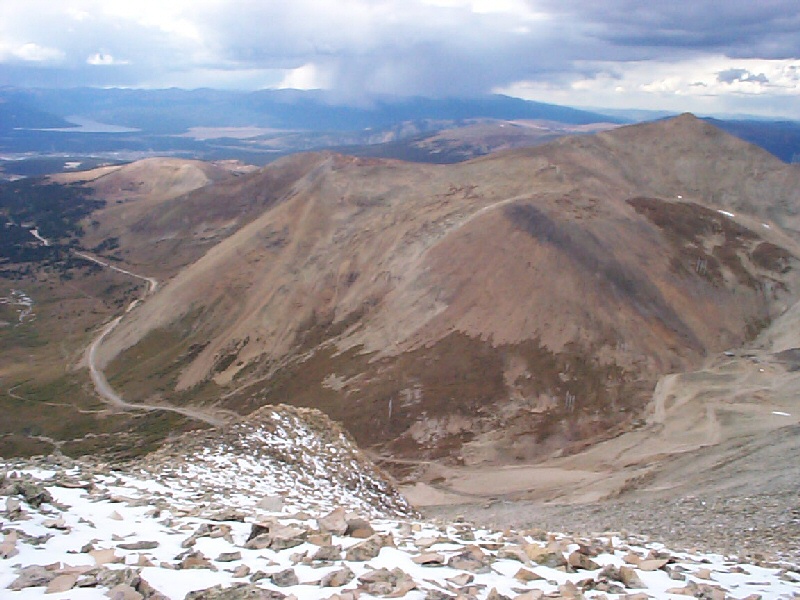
column 389, row 47
column 738, row 28
column 359, row 48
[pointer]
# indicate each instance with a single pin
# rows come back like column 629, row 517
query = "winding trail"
column 10, row 391
column 152, row 283
column 101, row 384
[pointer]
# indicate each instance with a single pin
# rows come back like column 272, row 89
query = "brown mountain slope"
column 493, row 310
column 162, row 215
column 477, row 139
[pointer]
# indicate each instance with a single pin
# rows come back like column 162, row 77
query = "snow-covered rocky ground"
column 285, row 506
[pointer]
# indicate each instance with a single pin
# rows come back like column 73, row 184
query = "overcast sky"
column 707, row 56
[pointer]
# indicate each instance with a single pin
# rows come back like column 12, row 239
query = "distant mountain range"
column 53, row 129
column 174, row 111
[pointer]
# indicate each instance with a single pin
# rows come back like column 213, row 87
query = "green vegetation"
column 691, row 229
column 54, row 210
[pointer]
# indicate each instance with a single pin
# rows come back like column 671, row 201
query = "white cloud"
column 693, row 84
column 307, row 77
column 35, row 53
column 102, row 59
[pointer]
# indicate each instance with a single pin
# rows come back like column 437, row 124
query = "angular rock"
column 366, row 550
column 691, row 589
column 703, row 574
column 495, row 595
column 337, row 578
column 377, row 588
column 328, row 553
column 467, row 561
column 289, row 538
column 8, row 547
column 427, row 542
column 578, row 560
column 465, row 533
column 384, row 575
column 320, row 539
column 13, row 508
column 58, row 523
column 525, row 576
column 258, row 529
column 241, row 571
column 514, row 553
column 429, row 559
column 275, row 536
column 221, row 531
column 228, row 514
column 229, row 556
column 142, row 545
column 401, row 588
column 271, row 504
column 461, row 580
column 32, row 576
column 531, row 595
column 675, row 573
column 545, row 556
column 359, row 528
column 34, row 494
column 570, row 590
column 86, row 580
column 123, row 591
column 285, row 578
column 630, row 578
column 62, row 583
column 112, row 577
column 369, row 548
column 334, row 522
column 258, row 576
column 439, row 595
column 143, row 561
column 652, row 564
column 196, row 560
column 346, row 595
column 259, row 543
column 104, row 556
column 237, row 591
column 384, row 583
column 632, row 558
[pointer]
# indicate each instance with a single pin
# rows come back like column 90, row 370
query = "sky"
column 705, row 56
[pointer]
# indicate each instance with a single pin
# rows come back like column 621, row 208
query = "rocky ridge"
column 283, row 506
column 295, row 455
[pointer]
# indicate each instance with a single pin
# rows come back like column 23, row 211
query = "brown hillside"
column 492, row 135
column 497, row 310
column 162, row 215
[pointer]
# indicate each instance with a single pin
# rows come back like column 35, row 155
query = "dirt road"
column 101, row 384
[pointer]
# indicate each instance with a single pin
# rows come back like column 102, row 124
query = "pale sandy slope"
column 724, row 428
